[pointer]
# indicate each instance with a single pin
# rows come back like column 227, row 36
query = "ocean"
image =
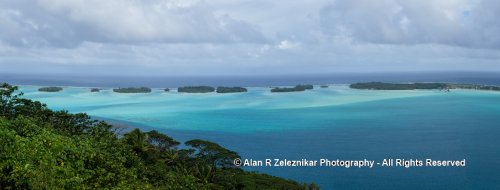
column 324, row 123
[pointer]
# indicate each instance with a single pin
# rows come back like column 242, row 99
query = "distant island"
column 417, row 86
column 221, row 89
column 397, row 86
column 132, row 90
column 50, row 89
column 167, row 90
column 474, row 87
column 196, row 89
column 324, row 86
column 95, row 90
column 297, row 88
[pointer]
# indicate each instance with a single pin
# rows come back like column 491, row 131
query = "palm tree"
column 138, row 140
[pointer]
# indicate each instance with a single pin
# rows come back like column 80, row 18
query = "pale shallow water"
column 172, row 110
column 334, row 122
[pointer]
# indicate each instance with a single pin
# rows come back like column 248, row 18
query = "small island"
column 166, row 89
column 397, row 86
column 196, row 89
column 221, row 89
column 297, row 88
column 421, row 86
column 474, row 87
column 324, row 86
column 95, row 90
column 50, row 89
column 132, row 90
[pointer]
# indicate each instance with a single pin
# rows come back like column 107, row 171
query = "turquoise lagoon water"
column 333, row 123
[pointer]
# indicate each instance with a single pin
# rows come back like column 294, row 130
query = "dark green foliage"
column 196, row 89
column 132, row 90
column 213, row 153
column 161, row 141
column 297, row 88
column 413, row 86
column 95, row 90
column 473, row 87
column 305, row 86
column 221, row 89
column 50, row 89
column 45, row 149
column 398, row 86
column 264, row 181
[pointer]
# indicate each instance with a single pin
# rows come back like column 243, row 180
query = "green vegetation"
column 167, row 89
column 95, row 90
column 474, row 87
column 196, row 89
column 50, row 89
column 45, row 149
column 297, row 88
column 397, row 86
column 132, row 90
column 305, row 86
column 221, row 89
column 413, row 86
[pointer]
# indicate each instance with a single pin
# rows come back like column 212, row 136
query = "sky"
column 247, row 37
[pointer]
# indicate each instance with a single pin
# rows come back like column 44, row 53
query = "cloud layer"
column 68, row 23
column 227, row 37
column 465, row 23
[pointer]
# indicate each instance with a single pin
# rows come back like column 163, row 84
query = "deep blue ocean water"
column 437, row 127
column 333, row 123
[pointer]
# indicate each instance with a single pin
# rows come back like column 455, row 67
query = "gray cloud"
column 227, row 37
column 465, row 23
column 64, row 23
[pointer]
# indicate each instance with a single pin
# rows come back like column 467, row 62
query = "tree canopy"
column 296, row 88
column 132, row 90
column 196, row 89
column 222, row 89
column 426, row 86
column 50, row 89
